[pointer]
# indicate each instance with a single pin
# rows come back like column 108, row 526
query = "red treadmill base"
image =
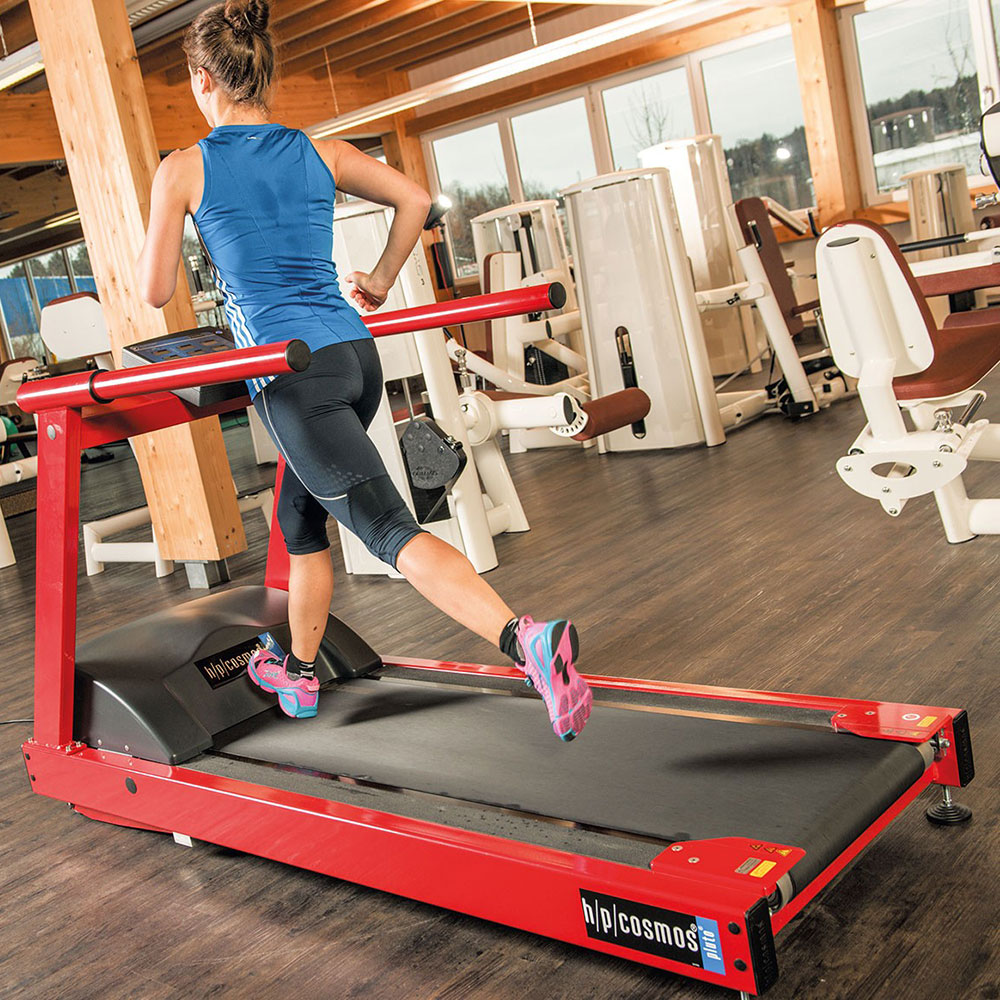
column 533, row 888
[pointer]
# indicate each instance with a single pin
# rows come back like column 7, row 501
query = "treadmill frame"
column 526, row 886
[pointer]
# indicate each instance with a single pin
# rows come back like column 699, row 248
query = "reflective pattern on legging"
column 318, row 419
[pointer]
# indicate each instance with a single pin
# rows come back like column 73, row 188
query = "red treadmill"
column 686, row 827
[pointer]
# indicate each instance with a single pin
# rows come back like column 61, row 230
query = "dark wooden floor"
column 748, row 565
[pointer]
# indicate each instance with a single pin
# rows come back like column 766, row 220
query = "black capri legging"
column 318, row 419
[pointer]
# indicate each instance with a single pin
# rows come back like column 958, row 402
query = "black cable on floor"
column 12, row 722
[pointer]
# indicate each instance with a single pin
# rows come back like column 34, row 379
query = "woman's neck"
column 237, row 114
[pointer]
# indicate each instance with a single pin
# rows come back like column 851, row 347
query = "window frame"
column 592, row 93
column 984, row 44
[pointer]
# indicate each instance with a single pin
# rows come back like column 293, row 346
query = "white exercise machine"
column 483, row 501
column 913, row 374
column 642, row 316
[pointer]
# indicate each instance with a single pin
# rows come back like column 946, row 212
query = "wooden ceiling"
column 358, row 37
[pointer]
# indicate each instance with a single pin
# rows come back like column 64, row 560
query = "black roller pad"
column 161, row 687
column 648, row 773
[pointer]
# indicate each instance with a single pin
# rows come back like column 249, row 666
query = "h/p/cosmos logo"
column 680, row 937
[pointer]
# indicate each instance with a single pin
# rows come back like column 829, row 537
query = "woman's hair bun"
column 247, row 16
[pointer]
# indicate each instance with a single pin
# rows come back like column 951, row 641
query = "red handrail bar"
column 498, row 305
column 87, row 388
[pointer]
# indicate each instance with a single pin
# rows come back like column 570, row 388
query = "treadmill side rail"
column 726, row 930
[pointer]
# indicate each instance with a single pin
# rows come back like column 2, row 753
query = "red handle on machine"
column 515, row 302
column 87, row 388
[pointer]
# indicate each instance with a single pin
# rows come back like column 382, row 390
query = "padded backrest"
column 872, row 308
column 73, row 327
column 990, row 134
column 756, row 229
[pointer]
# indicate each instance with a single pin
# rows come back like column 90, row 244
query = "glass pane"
column 471, row 172
column 554, row 148
column 918, row 70
column 754, row 104
column 50, row 276
column 646, row 112
column 20, row 324
column 79, row 263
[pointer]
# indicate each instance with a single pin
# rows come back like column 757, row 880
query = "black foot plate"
column 948, row 814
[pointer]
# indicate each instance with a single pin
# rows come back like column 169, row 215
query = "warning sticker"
column 762, row 869
column 927, row 720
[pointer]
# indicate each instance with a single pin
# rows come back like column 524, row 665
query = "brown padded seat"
column 973, row 317
column 752, row 215
column 963, row 354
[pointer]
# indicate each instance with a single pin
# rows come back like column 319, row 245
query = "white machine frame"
column 877, row 332
column 673, row 365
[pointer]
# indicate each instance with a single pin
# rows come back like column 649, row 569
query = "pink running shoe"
column 298, row 698
column 549, row 651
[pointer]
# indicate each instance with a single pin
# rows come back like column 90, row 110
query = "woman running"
column 262, row 198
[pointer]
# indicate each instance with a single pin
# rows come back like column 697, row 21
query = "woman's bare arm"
column 365, row 177
column 176, row 191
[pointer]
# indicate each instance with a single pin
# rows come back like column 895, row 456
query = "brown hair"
column 232, row 42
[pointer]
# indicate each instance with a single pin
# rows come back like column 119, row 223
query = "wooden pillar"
column 829, row 136
column 107, row 136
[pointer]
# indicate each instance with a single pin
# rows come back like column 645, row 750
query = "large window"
column 50, row 274
column 919, row 75
column 755, row 105
column 17, row 313
column 27, row 286
column 645, row 112
column 79, row 263
column 554, row 148
column 471, row 171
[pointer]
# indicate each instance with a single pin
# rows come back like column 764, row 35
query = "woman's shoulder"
column 182, row 172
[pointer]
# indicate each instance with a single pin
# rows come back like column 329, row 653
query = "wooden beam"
column 670, row 46
column 37, row 197
column 825, row 103
column 337, row 37
column 316, row 15
column 29, row 133
column 405, row 32
column 497, row 27
column 18, row 28
column 162, row 53
column 107, row 134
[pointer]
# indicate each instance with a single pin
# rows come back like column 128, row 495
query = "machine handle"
column 86, row 388
column 498, row 305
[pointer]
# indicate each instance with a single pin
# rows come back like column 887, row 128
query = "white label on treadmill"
column 679, row 937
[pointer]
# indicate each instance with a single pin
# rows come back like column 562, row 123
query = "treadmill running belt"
column 653, row 774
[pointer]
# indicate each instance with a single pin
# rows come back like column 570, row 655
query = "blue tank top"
column 266, row 219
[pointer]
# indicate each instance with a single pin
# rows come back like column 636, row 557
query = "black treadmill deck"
column 644, row 773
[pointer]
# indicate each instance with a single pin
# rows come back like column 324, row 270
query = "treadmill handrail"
column 88, row 388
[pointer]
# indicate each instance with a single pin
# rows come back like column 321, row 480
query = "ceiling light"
column 532, row 58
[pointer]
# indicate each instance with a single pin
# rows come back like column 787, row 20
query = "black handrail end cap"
column 557, row 295
column 297, row 355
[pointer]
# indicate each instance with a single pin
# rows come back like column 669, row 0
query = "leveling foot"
column 946, row 812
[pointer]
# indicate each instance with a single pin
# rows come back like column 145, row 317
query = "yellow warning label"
column 784, row 853
column 927, row 720
column 762, row 869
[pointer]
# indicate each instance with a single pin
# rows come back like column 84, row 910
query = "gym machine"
column 686, row 827
column 463, row 492
column 882, row 330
